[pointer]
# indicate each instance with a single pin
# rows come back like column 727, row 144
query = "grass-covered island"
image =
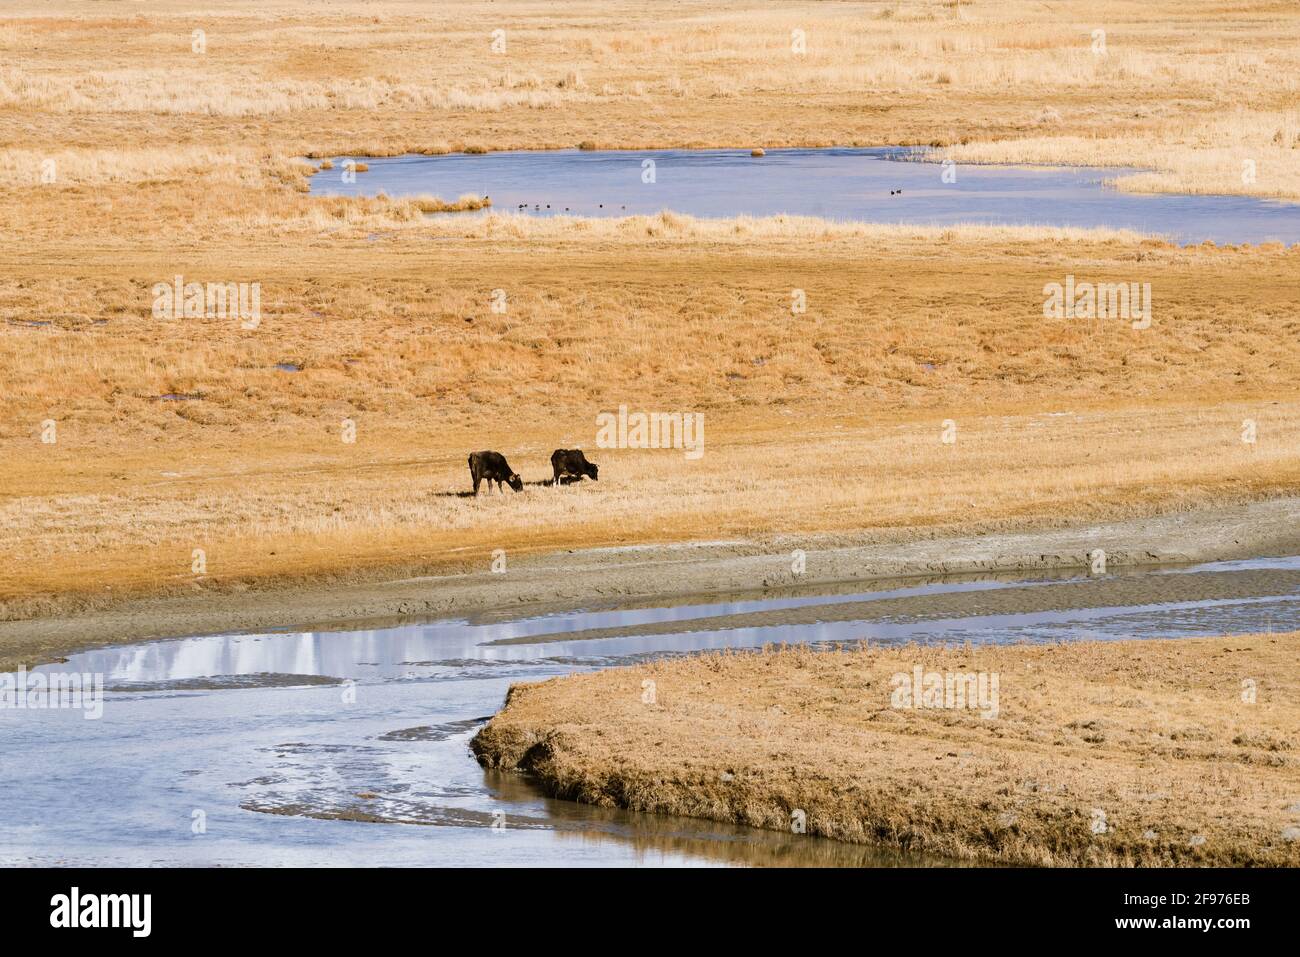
column 1095, row 753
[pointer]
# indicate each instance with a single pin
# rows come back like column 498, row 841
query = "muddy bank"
column 1144, row 753
column 1121, row 593
column 654, row 572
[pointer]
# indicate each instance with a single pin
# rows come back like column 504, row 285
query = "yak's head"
column 515, row 482
column 592, row 470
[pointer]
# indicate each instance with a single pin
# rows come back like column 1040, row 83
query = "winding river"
column 350, row 747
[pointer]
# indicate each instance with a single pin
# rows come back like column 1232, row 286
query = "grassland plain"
column 133, row 150
column 1053, row 419
column 1140, row 753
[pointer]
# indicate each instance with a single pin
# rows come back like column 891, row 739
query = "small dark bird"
column 548, row 205
column 602, row 205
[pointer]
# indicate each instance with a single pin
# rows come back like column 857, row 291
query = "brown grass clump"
column 1142, row 753
column 466, row 203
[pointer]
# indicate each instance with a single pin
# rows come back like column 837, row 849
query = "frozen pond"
column 868, row 185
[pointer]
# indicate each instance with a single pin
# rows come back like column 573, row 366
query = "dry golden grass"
column 169, row 162
column 466, row 203
column 1194, row 93
column 1246, row 153
column 662, row 314
column 1054, row 419
column 81, row 525
column 1108, row 754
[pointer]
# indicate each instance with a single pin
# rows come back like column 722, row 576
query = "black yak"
column 571, row 462
column 493, row 467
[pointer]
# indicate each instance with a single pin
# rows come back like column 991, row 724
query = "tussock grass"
column 22, row 169
column 1211, row 157
column 395, row 213
column 467, row 202
column 1137, row 753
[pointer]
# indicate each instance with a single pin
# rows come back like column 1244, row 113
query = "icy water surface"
column 350, row 747
column 867, row 185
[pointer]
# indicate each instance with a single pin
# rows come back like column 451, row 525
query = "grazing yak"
column 571, row 462
column 493, row 467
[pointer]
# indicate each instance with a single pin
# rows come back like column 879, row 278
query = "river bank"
column 561, row 579
column 1142, row 753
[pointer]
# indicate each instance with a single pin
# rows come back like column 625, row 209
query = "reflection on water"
column 866, row 185
column 350, row 747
